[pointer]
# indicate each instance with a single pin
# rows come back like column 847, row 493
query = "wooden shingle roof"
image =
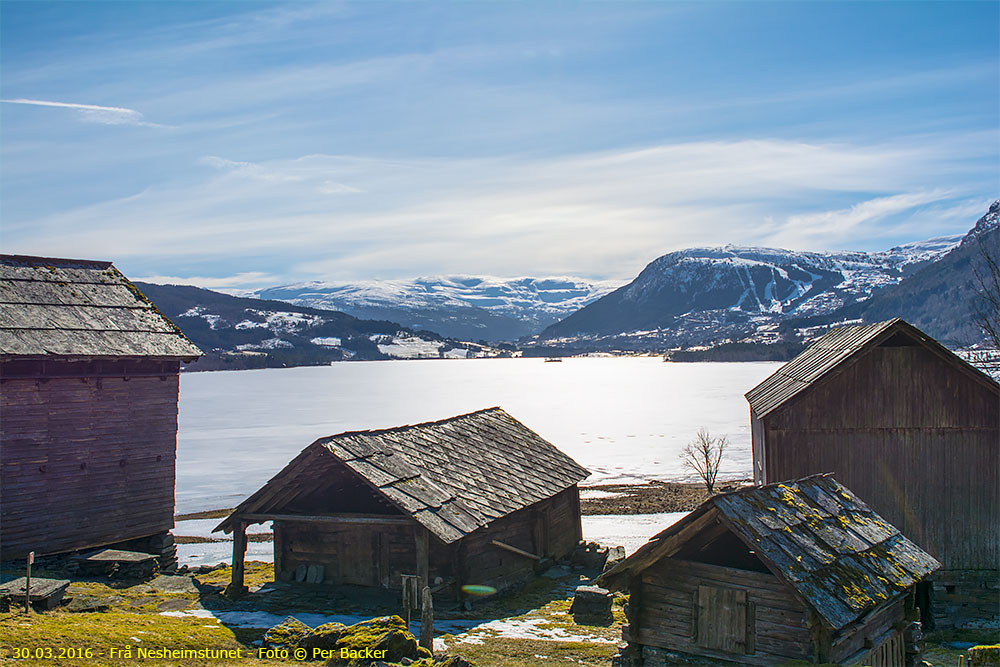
column 453, row 476
column 80, row 308
column 836, row 348
column 840, row 557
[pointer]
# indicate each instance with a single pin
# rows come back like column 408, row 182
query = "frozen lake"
column 625, row 419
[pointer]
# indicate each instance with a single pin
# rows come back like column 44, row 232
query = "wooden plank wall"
column 86, row 461
column 356, row 554
column 669, row 606
column 852, row 639
column 912, row 437
column 378, row 555
column 484, row 563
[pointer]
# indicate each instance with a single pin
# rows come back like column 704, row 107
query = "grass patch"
column 503, row 652
column 54, row 636
column 255, row 573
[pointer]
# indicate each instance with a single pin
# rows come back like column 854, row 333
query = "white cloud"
column 238, row 284
column 603, row 214
column 847, row 224
column 93, row 113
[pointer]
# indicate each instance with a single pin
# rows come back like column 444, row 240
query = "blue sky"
column 245, row 144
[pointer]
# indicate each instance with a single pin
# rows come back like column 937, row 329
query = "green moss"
column 286, row 634
column 984, row 655
column 254, row 573
column 323, row 638
column 60, row 632
column 386, row 633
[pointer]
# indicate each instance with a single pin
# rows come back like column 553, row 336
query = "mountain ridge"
column 459, row 306
column 709, row 295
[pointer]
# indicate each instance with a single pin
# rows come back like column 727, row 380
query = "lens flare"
column 478, row 591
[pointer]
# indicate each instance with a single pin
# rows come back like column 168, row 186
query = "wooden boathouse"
column 911, row 428
column 473, row 499
column 88, row 397
column 766, row 575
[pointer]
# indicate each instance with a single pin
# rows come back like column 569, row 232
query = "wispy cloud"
column 94, row 113
column 237, row 284
column 860, row 220
column 603, row 214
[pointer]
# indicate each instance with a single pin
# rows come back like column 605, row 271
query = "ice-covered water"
column 625, row 419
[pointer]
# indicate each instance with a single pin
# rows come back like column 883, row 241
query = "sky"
column 238, row 145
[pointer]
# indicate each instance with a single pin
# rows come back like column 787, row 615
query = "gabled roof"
column 839, row 347
column 453, row 476
column 840, row 557
column 80, row 308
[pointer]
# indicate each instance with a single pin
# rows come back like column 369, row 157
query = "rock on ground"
column 286, row 634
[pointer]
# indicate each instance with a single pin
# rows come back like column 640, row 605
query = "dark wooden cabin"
column 911, row 428
column 765, row 575
column 474, row 499
column 88, row 409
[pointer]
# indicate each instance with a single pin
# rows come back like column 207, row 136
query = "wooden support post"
column 236, row 587
column 634, row 609
column 279, row 545
column 427, row 621
column 420, row 537
column 457, row 567
column 27, row 583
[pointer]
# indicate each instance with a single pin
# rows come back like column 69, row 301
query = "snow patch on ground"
column 263, row 619
column 199, row 311
column 409, row 348
column 269, row 344
column 594, row 494
column 527, row 628
column 630, row 531
column 329, row 341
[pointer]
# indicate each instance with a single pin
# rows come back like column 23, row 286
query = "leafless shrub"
column 703, row 455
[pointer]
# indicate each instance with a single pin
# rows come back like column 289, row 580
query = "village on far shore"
column 870, row 534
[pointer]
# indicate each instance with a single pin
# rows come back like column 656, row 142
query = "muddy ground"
column 650, row 498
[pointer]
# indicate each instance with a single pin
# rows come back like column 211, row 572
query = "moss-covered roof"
column 80, row 308
column 841, row 557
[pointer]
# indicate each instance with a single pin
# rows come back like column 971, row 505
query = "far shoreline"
column 653, row 497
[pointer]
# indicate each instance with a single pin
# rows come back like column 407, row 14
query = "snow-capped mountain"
column 701, row 296
column 467, row 307
column 236, row 332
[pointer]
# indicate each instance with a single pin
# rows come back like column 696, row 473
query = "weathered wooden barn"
column 88, row 409
column 911, row 428
column 765, row 575
column 474, row 499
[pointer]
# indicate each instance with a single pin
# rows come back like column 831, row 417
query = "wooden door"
column 722, row 620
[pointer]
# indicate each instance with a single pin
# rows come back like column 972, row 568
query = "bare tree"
column 703, row 455
column 986, row 305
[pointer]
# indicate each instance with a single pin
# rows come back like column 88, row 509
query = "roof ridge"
column 753, row 487
column 54, row 261
column 406, row 427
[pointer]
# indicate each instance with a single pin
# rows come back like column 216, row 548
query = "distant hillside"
column 238, row 333
column 937, row 298
column 707, row 296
